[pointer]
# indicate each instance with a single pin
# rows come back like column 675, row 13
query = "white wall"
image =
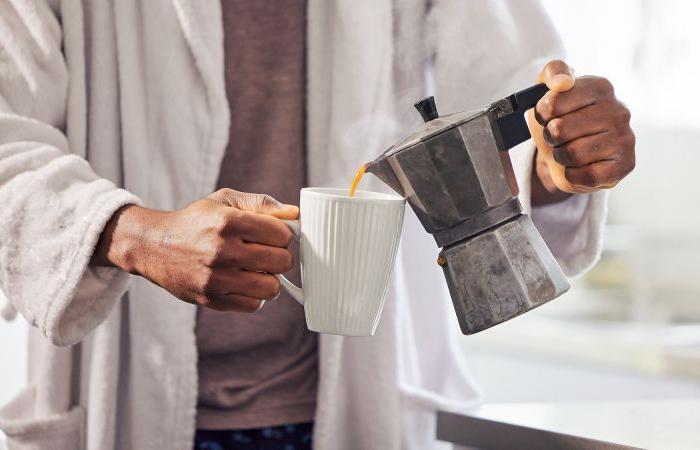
column 649, row 50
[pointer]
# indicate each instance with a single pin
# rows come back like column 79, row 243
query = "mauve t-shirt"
column 261, row 369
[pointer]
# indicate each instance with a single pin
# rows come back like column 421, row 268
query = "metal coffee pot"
column 456, row 174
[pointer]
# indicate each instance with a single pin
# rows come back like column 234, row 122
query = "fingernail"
column 561, row 78
column 262, row 303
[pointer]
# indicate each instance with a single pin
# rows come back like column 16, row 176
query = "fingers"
column 239, row 290
column 582, row 132
column 587, row 121
column 233, row 303
column 255, row 217
column 586, row 150
column 558, row 76
column 259, row 228
column 588, row 91
column 263, row 258
column 246, row 283
column 600, row 175
column 256, row 257
column 260, row 203
column 265, row 204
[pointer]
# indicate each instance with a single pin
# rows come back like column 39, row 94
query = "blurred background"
column 629, row 329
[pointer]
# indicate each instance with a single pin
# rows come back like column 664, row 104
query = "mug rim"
column 341, row 194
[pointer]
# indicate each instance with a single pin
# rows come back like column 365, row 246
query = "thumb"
column 269, row 205
column 259, row 203
column 265, row 204
column 558, row 76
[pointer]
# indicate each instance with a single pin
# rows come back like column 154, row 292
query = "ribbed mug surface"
column 348, row 247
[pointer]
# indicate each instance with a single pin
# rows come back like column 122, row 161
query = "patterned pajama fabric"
column 283, row 437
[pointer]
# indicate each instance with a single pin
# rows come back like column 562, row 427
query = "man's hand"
column 582, row 133
column 218, row 252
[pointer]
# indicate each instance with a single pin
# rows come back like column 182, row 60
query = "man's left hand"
column 582, row 132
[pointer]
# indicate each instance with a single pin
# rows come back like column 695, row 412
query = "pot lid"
column 433, row 124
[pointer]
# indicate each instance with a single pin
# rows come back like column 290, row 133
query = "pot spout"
column 381, row 168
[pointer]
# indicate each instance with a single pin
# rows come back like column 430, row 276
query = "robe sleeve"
column 54, row 206
column 493, row 50
column 573, row 229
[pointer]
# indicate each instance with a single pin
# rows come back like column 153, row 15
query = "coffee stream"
column 356, row 181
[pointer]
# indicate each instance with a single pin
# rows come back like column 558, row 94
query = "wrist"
column 124, row 241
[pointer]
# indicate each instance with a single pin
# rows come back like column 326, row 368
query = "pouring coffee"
column 456, row 173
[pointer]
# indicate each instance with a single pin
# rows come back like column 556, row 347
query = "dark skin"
column 219, row 252
column 222, row 251
column 582, row 133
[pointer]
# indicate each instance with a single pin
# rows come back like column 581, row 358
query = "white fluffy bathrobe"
column 96, row 94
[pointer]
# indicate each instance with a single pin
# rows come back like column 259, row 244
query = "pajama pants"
column 283, row 437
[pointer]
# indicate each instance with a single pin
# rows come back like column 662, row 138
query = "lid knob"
column 427, row 108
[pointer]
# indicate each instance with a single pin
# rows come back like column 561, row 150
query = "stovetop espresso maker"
column 456, row 174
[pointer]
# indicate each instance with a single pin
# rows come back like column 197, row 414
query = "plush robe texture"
column 110, row 102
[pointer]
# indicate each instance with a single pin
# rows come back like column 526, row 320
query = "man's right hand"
column 220, row 252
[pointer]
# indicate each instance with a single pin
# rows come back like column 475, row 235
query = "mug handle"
column 295, row 291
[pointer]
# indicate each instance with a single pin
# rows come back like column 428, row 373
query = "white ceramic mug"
column 347, row 251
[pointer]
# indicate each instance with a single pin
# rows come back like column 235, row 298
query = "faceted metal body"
column 460, row 182
column 502, row 273
column 453, row 178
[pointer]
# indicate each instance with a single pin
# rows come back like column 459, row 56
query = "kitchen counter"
column 659, row 424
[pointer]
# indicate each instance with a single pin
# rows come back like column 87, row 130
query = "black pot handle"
column 511, row 123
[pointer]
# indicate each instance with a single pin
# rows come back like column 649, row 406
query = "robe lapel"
column 202, row 27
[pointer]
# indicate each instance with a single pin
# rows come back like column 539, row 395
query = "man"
column 172, row 99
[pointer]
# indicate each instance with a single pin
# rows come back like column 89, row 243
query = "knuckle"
column 268, row 200
column 212, row 256
column 219, row 221
column 555, row 129
column 592, row 177
column 580, row 177
column 223, row 193
column 600, row 146
column 257, row 198
column 229, row 218
column 238, row 221
column 254, row 201
column 205, row 282
column 625, row 113
column 546, row 108
column 239, row 255
column 603, row 87
column 567, row 156
column 204, row 300
column 561, row 155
